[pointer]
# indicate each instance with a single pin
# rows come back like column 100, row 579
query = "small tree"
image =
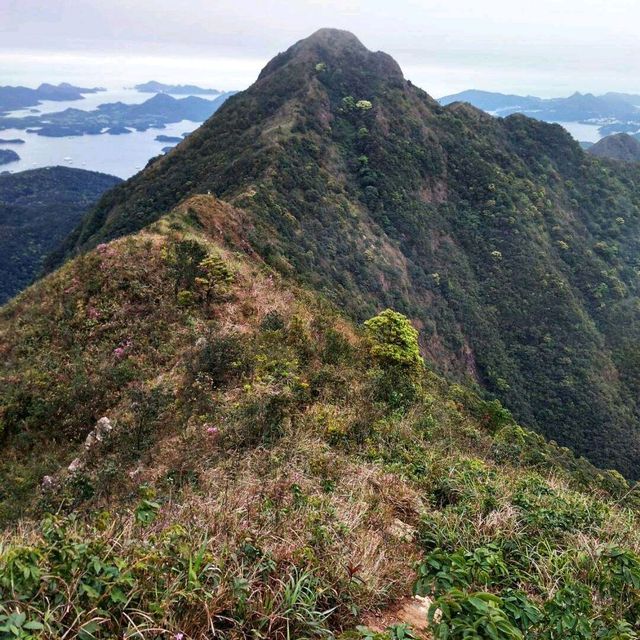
column 196, row 272
column 215, row 277
column 393, row 345
column 394, row 341
column 184, row 263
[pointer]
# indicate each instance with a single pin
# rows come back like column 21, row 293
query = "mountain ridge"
column 620, row 146
column 611, row 112
column 156, row 111
column 367, row 189
column 159, row 87
column 593, row 106
column 332, row 44
column 199, row 440
column 167, row 407
column 20, row 97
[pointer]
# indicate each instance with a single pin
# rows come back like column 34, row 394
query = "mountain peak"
column 333, row 37
column 620, row 146
column 333, row 47
column 357, row 183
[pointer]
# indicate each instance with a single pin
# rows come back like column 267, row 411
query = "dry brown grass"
column 341, row 531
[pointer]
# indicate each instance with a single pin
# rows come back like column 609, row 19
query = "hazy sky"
column 543, row 47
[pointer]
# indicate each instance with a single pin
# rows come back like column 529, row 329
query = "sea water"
column 120, row 155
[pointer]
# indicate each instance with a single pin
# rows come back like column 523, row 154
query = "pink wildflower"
column 120, row 351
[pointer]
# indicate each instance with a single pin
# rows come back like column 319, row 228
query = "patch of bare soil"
column 410, row 611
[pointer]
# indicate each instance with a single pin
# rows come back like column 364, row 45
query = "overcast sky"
column 542, row 47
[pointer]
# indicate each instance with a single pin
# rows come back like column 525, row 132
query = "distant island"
column 176, row 89
column 7, row 156
column 117, row 118
column 11, row 141
column 21, row 97
column 118, row 130
column 613, row 112
column 163, row 138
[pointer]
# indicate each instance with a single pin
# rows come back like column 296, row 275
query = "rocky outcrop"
column 97, row 435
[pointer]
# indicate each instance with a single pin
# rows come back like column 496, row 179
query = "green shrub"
column 458, row 615
column 222, row 359
column 394, row 342
column 393, row 347
column 184, row 258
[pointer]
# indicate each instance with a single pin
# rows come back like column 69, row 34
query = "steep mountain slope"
column 262, row 468
column 38, row 209
column 514, row 252
column 621, row 146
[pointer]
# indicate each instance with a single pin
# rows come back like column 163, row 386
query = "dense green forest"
column 38, row 209
column 514, row 252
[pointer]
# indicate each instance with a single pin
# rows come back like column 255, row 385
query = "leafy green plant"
column 458, row 615
column 146, row 511
column 16, row 625
column 394, row 341
column 394, row 349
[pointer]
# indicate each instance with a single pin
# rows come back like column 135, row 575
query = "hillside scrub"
column 38, row 209
column 258, row 480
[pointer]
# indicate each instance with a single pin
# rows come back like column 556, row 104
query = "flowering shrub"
column 121, row 350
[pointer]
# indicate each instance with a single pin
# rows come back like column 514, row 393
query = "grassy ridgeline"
column 272, row 470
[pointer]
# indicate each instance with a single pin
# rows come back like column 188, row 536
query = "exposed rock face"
column 76, row 465
column 48, row 482
column 413, row 612
column 402, row 531
column 100, row 432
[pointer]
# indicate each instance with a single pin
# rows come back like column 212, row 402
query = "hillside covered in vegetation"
column 227, row 455
column 514, row 252
column 38, row 209
column 620, row 146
